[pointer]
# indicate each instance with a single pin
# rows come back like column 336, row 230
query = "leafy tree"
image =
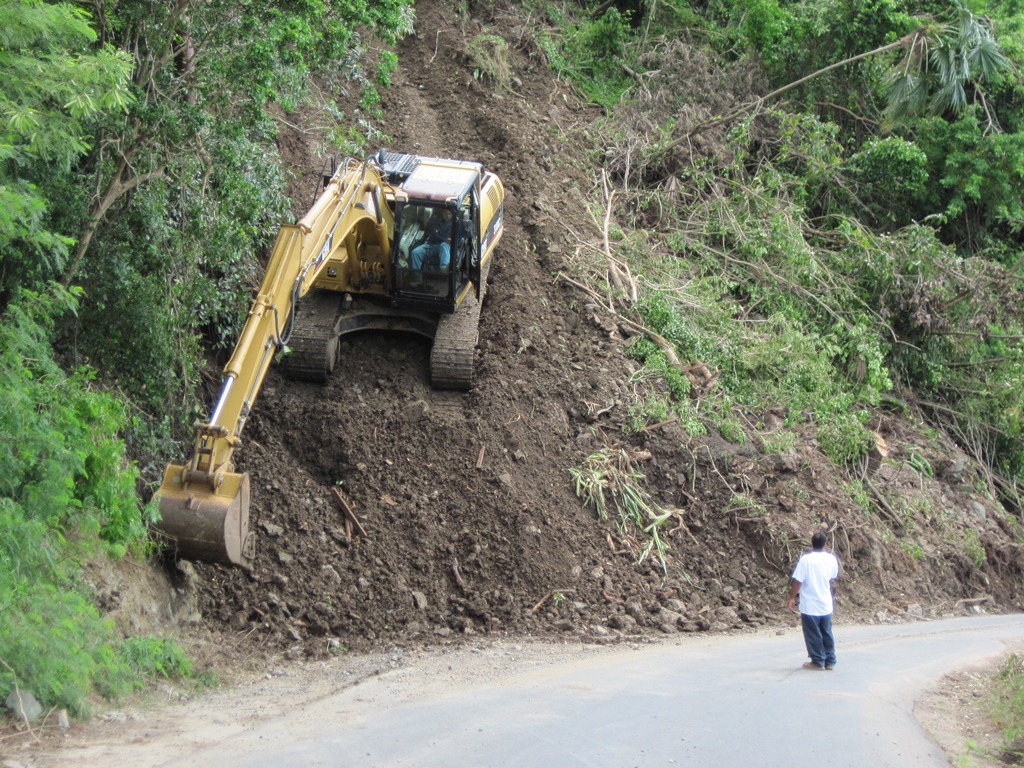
column 203, row 64
column 57, row 84
column 66, row 493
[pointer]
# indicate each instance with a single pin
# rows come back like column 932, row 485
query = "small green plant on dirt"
column 859, row 495
column 913, row 549
column 730, row 428
column 370, row 101
column 558, row 598
column 743, row 505
column 653, row 410
column 780, row 442
column 608, row 478
column 1007, row 708
column 919, row 463
column 844, row 439
column 974, row 548
column 489, row 54
column 799, row 491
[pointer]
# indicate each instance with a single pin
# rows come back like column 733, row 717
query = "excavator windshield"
column 424, row 239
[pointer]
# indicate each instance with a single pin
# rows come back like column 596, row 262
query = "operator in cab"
column 436, row 249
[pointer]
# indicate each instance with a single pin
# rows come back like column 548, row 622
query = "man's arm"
column 794, row 590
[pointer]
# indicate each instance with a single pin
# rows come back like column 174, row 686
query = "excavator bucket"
column 206, row 524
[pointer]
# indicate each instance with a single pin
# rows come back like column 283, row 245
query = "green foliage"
column 490, row 60
column 977, row 177
column 61, row 459
column 590, row 52
column 919, row 463
column 54, row 88
column 781, row 442
column 960, row 51
column 860, row 496
column 53, row 94
column 974, row 548
column 654, row 410
column 742, row 505
column 51, row 636
column 1007, row 704
column 912, row 549
column 66, row 493
column 155, row 657
column 386, row 65
column 890, row 177
column 844, row 439
column 137, row 320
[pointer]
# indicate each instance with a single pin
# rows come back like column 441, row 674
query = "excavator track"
column 313, row 344
column 454, row 350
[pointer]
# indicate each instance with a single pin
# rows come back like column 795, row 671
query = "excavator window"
column 425, row 239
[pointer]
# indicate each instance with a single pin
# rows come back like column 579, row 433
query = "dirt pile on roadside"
column 472, row 525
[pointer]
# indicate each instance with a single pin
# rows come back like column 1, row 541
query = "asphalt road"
column 735, row 701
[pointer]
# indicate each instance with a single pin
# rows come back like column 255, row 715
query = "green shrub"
column 66, row 493
column 974, row 548
column 844, row 439
column 490, row 60
column 779, row 442
column 1007, row 704
column 591, row 53
column 155, row 657
column 890, row 177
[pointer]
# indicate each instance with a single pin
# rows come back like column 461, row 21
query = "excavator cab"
column 425, row 239
column 437, row 248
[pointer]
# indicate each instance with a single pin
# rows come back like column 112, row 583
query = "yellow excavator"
column 396, row 242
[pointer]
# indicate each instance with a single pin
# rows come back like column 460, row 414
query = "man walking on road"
column 812, row 580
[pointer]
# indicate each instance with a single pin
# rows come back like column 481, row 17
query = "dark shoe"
column 813, row 665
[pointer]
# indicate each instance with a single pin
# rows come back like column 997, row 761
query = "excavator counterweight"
column 395, row 242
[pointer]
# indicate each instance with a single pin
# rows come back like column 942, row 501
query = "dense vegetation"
column 138, row 182
column 794, row 238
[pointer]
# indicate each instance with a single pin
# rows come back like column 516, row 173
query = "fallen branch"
column 17, row 693
column 663, row 344
column 457, row 573
column 891, row 514
column 350, row 516
column 975, row 600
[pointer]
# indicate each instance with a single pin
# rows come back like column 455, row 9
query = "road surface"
column 739, row 700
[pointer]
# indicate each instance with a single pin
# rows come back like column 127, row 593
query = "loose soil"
column 472, row 524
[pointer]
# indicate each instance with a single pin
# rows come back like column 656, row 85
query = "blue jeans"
column 821, row 645
column 427, row 252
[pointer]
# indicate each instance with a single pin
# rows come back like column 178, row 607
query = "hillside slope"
column 472, row 522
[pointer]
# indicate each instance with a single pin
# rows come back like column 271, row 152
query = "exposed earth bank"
column 472, row 523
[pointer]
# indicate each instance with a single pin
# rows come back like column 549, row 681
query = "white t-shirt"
column 815, row 571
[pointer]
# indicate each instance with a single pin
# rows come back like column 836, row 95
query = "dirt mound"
column 471, row 521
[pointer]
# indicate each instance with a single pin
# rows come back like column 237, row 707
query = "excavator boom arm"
column 204, row 505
